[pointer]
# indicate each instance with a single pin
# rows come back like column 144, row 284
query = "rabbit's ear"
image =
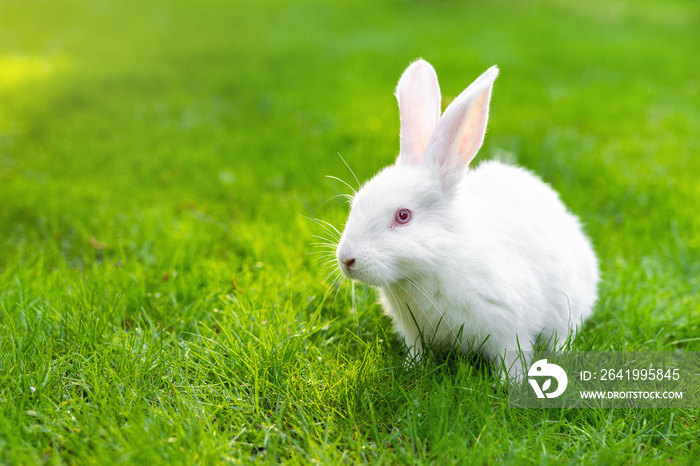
column 418, row 94
column 460, row 132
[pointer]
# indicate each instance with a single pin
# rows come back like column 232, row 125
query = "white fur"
column 491, row 251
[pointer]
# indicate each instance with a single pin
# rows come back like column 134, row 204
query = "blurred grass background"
column 157, row 302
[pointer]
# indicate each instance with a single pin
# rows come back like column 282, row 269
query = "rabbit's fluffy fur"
column 491, row 252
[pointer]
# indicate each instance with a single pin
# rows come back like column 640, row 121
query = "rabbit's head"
column 401, row 224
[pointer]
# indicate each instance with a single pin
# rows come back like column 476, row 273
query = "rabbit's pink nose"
column 349, row 263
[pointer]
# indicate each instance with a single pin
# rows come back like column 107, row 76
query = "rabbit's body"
column 490, row 255
column 489, row 285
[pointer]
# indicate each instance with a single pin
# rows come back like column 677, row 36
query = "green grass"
column 157, row 302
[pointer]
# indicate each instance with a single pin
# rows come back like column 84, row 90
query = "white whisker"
column 351, row 171
column 342, row 181
column 325, row 268
column 420, row 306
column 331, row 225
column 330, row 241
column 316, row 253
column 342, row 281
column 325, row 225
column 348, row 198
column 442, row 314
column 322, row 244
column 354, row 307
column 399, row 306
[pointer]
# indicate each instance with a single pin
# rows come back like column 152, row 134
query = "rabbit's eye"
column 402, row 216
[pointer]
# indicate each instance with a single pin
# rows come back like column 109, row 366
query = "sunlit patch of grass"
column 21, row 70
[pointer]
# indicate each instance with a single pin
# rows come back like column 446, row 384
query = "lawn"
column 159, row 161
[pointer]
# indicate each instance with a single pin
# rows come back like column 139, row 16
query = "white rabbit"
column 489, row 255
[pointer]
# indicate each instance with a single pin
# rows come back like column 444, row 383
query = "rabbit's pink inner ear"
column 415, row 133
column 460, row 132
column 418, row 94
column 474, row 129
